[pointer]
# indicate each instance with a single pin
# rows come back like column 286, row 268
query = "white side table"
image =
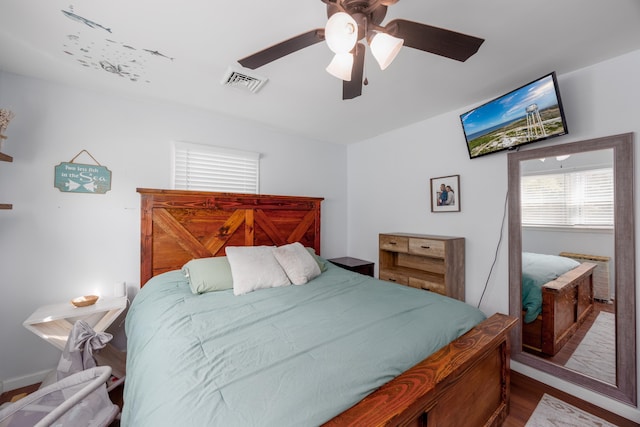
column 53, row 323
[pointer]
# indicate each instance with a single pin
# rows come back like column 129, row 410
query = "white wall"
column 388, row 185
column 55, row 246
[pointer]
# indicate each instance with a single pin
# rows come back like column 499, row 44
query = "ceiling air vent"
column 242, row 80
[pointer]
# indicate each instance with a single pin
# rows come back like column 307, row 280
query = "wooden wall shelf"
column 6, row 158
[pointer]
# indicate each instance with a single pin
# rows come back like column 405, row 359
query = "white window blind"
column 208, row 168
column 570, row 199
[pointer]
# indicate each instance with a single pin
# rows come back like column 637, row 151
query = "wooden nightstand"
column 354, row 264
column 53, row 323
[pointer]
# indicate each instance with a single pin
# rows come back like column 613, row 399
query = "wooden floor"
column 567, row 350
column 527, row 392
column 525, row 395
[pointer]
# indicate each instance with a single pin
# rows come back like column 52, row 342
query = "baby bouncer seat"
column 78, row 397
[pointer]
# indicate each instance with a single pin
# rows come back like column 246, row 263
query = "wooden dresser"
column 433, row 263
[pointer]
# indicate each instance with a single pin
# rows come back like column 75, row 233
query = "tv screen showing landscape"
column 528, row 114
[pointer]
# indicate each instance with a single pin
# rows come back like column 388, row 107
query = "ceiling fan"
column 353, row 21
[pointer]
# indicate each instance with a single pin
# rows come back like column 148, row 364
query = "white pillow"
column 253, row 268
column 297, row 262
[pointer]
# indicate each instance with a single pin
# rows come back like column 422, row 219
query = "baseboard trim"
column 23, row 381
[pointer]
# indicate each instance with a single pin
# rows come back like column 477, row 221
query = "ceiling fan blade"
column 440, row 41
column 352, row 89
column 281, row 49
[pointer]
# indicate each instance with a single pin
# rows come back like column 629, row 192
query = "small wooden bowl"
column 85, row 300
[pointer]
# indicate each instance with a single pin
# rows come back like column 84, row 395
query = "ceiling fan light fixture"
column 385, row 48
column 341, row 66
column 341, row 32
column 351, row 24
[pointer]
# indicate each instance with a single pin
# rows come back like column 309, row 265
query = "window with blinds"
column 570, row 199
column 208, row 168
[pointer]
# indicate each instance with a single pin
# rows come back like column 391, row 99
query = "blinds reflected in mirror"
column 577, row 198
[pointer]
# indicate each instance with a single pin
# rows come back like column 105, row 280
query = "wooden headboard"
column 178, row 225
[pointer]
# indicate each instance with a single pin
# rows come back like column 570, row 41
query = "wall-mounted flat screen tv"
column 528, row 114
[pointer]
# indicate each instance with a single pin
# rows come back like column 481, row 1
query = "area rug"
column 596, row 354
column 554, row 412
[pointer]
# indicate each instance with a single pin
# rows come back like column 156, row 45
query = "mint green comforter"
column 538, row 269
column 288, row 356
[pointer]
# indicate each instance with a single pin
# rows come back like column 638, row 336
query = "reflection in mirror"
column 571, row 258
column 567, row 222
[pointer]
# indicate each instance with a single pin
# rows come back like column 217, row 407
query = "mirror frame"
column 625, row 278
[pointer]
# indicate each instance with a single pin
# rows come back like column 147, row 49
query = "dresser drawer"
column 400, row 279
column 394, row 243
column 427, row 247
column 438, row 288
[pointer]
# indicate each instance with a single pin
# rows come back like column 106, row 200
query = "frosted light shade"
column 385, row 48
column 341, row 32
column 341, row 66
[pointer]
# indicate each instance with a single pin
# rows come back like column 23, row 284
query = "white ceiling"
column 180, row 51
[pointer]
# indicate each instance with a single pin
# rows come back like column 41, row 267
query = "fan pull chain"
column 365, row 81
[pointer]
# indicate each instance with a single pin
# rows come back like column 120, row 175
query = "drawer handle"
column 425, row 247
column 392, row 280
column 392, row 243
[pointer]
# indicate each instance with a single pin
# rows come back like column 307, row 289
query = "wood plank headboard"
column 177, row 225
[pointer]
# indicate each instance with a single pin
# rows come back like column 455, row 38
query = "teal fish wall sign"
column 79, row 178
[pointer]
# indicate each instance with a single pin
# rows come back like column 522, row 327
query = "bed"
column 557, row 297
column 450, row 382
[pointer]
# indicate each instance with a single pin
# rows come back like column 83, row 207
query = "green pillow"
column 208, row 274
column 322, row 263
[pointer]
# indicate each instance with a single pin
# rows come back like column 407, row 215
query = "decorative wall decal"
column 115, row 69
column 156, row 53
column 72, row 177
column 110, row 55
column 84, row 21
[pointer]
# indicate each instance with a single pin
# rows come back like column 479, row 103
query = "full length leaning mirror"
column 560, row 336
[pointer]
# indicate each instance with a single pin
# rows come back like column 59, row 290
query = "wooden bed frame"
column 466, row 382
column 566, row 303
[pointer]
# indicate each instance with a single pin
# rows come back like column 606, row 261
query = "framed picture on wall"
column 445, row 194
